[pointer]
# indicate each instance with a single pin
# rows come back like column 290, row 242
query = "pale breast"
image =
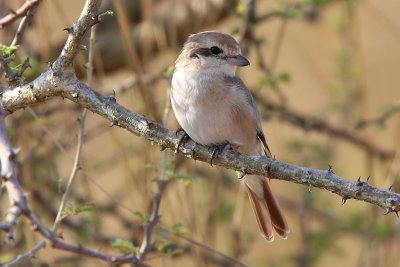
column 204, row 109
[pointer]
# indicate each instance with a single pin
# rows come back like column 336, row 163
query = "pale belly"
column 207, row 118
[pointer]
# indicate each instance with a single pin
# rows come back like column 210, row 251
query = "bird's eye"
column 215, row 50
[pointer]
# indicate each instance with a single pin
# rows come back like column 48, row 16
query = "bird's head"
column 212, row 50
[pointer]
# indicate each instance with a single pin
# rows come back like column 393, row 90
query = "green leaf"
column 124, row 246
column 72, row 210
column 284, row 77
column 150, row 166
column 186, row 178
column 226, row 211
column 143, row 215
column 7, row 257
column 178, row 228
column 107, row 13
column 241, row 8
column 383, row 230
column 169, row 248
column 169, row 72
column 8, row 49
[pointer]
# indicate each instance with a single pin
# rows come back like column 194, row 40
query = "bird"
column 214, row 107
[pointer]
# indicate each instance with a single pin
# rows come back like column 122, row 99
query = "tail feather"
column 262, row 215
column 278, row 220
column 266, row 209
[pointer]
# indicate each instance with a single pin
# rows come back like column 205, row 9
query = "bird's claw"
column 218, row 148
column 182, row 139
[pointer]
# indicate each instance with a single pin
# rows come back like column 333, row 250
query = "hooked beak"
column 238, row 60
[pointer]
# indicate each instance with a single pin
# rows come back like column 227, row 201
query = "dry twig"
column 20, row 12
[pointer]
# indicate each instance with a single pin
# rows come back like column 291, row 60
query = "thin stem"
column 162, row 185
column 209, row 248
column 74, row 171
column 278, row 43
column 20, row 12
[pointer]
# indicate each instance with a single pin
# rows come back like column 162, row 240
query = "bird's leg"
column 218, row 148
column 184, row 137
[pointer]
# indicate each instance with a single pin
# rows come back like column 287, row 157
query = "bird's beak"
column 238, row 60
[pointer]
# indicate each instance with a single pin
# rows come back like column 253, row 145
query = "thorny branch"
column 68, row 86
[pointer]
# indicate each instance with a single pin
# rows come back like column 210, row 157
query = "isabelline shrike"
column 214, row 106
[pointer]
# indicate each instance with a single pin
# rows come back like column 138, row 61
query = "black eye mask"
column 206, row 52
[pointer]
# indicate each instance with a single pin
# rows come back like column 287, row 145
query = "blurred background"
column 325, row 74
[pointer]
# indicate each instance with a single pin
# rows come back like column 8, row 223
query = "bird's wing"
column 252, row 110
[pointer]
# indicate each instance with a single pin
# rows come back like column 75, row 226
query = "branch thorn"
column 241, row 173
column 69, row 30
column 330, row 169
column 388, row 210
column 50, row 65
column 111, row 98
column 113, row 122
column 15, row 151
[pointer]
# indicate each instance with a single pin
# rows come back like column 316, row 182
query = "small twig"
column 74, row 171
column 8, row 175
column 79, row 249
column 77, row 35
column 278, row 43
column 26, row 20
column 379, row 120
column 12, row 76
column 209, row 248
column 20, row 12
column 4, row 60
column 82, row 118
column 248, row 38
column 26, row 256
column 132, row 81
column 247, row 35
column 304, row 7
column 316, row 124
column 271, row 15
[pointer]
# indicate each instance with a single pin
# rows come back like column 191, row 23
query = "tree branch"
column 380, row 119
column 316, row 124
column 68, row 86
column 77, row 32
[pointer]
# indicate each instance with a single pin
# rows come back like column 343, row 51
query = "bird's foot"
column 183, row 138
column 218, row 148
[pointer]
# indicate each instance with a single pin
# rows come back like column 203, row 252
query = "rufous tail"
column 266, row 209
